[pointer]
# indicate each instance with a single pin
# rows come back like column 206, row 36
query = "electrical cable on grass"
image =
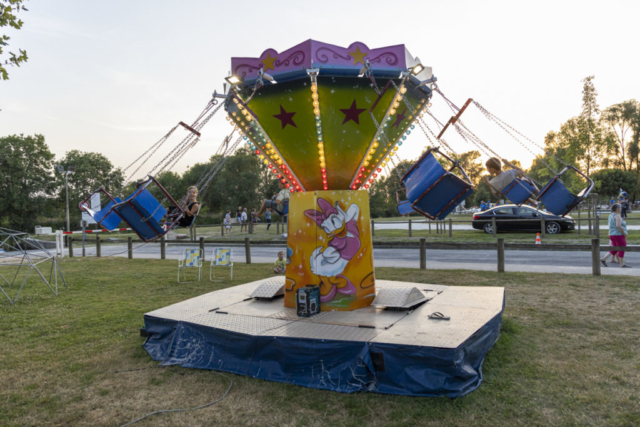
column 187, row 409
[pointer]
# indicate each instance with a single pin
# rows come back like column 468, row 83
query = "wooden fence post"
column 597, row 226
column 278, row 225
column 222, row 229
column 373, row 228
column 450, row 228
column 410, row 228
column 543, row 227
column 494, row 227
column 247, row 249
column 423, row 253
column 501, row 255
column 595, row 256
column 579, row 221
column 130, row 246
column 70, row 245
column 429, row 226
column 163, row 248
column 202, row 248
column 98, row 246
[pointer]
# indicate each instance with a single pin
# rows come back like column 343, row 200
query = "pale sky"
column 115, row 76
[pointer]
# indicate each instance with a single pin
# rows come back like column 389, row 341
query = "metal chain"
column 504, row 125
column 386, row 140
column 156, row 145
column 419, row 121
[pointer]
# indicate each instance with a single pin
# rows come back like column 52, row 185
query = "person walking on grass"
column 617, row 235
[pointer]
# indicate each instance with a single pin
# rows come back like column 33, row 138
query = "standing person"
column 483, row 206
column 625, row 208
column 254, row 217
column 227, row 221
column 611, row 202
column 617, row 235
column 243, row 219
column 267, row 217
column 239, row 216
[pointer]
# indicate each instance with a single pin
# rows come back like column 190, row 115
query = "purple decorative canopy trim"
column 311, row 54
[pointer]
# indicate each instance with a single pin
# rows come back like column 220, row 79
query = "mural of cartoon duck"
column 343, row 242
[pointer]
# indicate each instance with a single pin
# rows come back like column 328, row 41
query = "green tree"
column 25, row 181
column 9, row 10
column 92, row 171
column 610, row 181
column 619, row 120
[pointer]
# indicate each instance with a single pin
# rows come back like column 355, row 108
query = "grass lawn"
column 569, row 354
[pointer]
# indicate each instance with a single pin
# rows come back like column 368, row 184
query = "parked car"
column 553, row 224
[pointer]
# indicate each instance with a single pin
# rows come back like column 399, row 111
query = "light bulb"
column 321, row 145
column 314, row 95
column 366, row 163
column 316, row 111
column 321, row 159
column 322, row 165
column 316, row 104
column 396, row 105
column 403, row 90
column 314, row 88
column 391, row 153
column 383, row 164
column 375, row 145
column 395, row 148
column 393, row 111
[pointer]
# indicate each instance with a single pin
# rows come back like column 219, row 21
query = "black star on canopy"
column 352, row 113
column 285, row 118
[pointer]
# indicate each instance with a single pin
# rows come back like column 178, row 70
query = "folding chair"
column 222, row 257
column 191, row 259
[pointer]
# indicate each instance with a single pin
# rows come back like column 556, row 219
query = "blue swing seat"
column 558, row 199
column 143, row 214
column 518, row 191
column 405, row 208
column 105, row 217
column 432, row 190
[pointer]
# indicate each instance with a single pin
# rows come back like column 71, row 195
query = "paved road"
column 486, row 260
column 425, row 226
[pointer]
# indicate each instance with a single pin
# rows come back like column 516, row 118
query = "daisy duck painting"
column 342, row 244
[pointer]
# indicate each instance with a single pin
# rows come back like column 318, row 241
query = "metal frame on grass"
column 16, row 253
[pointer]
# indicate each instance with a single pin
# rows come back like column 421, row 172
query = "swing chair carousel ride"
column 328, row 121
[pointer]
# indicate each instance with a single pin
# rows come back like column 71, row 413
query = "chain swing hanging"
column 431, row 189
column 555, row 195
column 518, row 191
column 141, row 210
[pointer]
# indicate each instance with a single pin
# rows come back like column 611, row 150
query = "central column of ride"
column 329, row 244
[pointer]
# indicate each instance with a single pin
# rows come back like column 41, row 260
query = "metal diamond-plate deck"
column 472, row 296
column 370, row 316
column 324, row 331
column 269, row 288
column 257, row 308
column 248, row 288
column 425, row 287
column 470, row 308
column 198, row 305
column 400, row 297
column 237, row 323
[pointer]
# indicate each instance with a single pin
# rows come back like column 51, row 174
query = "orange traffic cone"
column 538, row 242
